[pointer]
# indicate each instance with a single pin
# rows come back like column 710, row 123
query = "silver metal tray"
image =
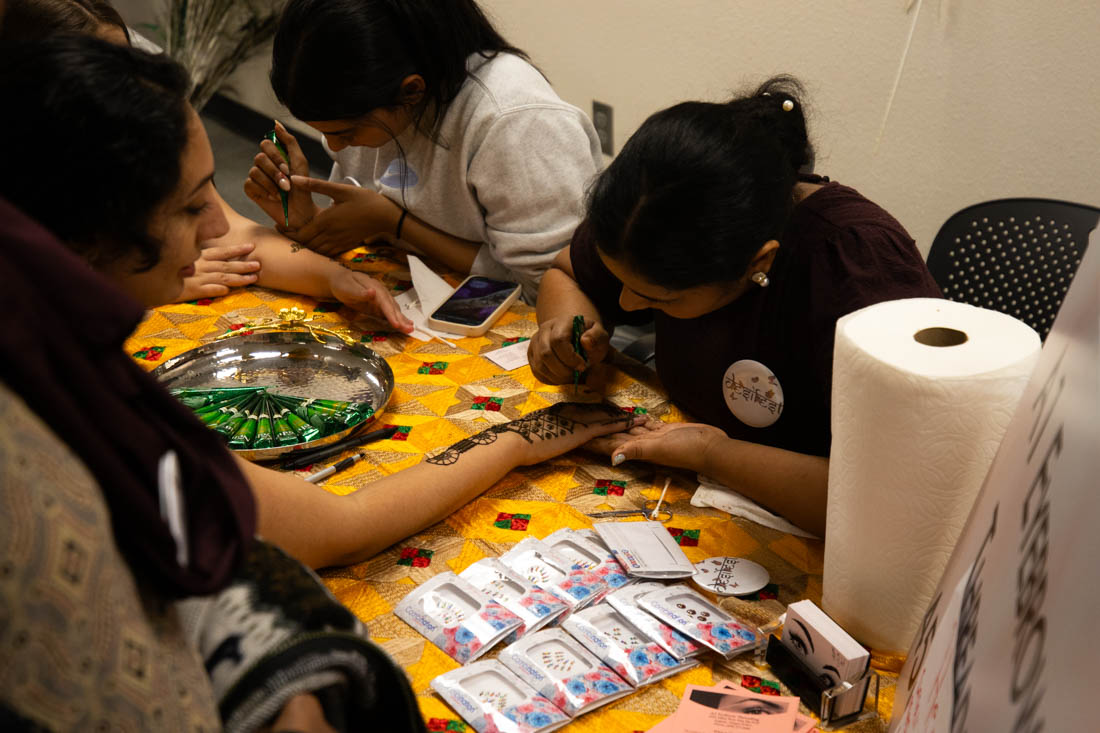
column 293, row 363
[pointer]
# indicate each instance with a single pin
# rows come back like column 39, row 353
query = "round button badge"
column 730, row 576
column 753, row 393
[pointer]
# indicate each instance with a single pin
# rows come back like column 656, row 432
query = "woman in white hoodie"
column 443, row 135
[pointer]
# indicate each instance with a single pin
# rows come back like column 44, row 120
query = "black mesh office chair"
column 1017, row 256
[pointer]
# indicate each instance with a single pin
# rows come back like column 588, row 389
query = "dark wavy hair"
column 342, row 59
column 93, row 137
column 701, row 186
column 28, row 20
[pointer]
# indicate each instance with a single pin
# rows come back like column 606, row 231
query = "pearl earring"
column 761, row 279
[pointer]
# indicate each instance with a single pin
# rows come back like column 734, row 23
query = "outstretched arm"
column 322, row 529
column 794, row 485
column 279, row 263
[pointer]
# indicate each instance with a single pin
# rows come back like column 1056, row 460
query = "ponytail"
column 700, row 187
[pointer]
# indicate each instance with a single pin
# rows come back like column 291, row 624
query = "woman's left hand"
column 363, row 293
column 677, row 445
column 356, row 214
column 218, row 269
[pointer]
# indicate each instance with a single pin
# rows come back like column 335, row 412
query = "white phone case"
column 478, row 329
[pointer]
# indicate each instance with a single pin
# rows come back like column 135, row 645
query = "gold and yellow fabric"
column 444, row 394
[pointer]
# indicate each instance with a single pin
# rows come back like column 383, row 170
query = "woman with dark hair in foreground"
column 116, row 499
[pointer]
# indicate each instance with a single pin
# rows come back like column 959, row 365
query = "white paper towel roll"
column 915, row 428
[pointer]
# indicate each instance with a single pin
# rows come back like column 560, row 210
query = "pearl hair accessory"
column 761, row 279
column 788, row 105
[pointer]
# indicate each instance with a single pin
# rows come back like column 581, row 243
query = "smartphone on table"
column 474, row 306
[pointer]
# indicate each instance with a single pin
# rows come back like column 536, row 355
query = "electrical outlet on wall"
column 601, row 120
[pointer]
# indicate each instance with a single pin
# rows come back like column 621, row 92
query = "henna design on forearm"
column 545, row 424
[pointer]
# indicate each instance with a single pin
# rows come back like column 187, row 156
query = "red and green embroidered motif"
column 517, row 522
column 372, row 337
column 237, row 327
column 511, row 342
column 402, row 431
column 759, row 685
column 607, row 487
column 150, row 353
column 416, row 557
column 636, row 410
column 443, row 724
column 685, row 537
column 201, row 301
column 365, row 257
column 492, row 404
column 432, row 367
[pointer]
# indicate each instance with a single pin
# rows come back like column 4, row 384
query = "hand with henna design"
column 323, row 528
column 548, row 432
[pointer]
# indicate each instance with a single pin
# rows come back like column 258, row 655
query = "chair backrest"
column 1017, row 256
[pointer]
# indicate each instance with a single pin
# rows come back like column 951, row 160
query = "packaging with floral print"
column 622, row 646
column 535, row 560
column 592, row 555
column 493, row 700
column 457, row 617
column 562, row 670
column 531, row 603
column 694, row 616
column 625, row 601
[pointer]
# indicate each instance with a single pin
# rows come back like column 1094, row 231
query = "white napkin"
column 417, row 303
column 713, row 494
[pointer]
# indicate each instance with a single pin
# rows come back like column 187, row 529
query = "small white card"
column 491, row 698
column 829, row 651
column 457, row 617
column 646, row 549
column 623, row 646
column 559, row 668
column 509, row 357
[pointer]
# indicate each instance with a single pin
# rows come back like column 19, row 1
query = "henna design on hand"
column 545, row 424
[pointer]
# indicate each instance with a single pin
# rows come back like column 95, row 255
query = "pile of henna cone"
column 253, row 418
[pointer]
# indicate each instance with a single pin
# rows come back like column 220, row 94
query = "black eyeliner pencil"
column 301, row 460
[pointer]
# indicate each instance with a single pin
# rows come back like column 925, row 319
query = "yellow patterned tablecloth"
column 443, row 394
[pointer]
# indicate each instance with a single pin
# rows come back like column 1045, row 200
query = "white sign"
column 1006, row 643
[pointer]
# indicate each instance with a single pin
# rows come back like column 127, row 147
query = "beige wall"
column 998, row 98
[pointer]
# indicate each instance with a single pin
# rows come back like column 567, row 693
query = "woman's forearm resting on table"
column 284, row 264
column 456, row 253
column 323, row 529
column 793, row 485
